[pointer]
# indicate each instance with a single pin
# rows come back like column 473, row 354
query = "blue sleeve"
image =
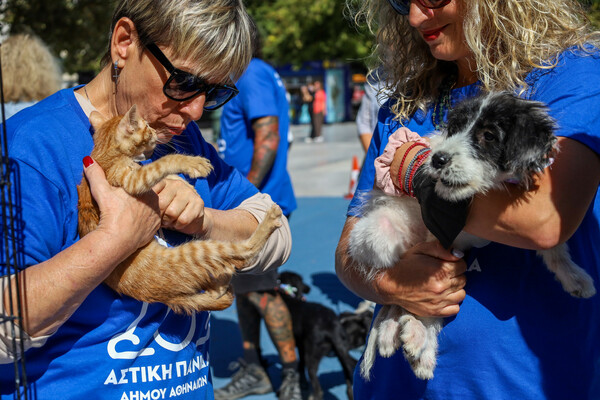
column 43, row 195
column 572, row 92
column 384, row 128
column 260, row 81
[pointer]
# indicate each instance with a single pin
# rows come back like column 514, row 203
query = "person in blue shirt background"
column 173, row 60
column 254, row 133
column 511, row 331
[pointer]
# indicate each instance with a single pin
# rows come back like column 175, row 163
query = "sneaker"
column 250, row 379
column 290, row 385
column 308, row 139
column 319, row 139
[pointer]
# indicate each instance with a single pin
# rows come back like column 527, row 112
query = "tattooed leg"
column 249, row 322
column 278, row 321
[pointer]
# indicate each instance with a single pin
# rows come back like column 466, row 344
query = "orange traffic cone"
column 353, row 178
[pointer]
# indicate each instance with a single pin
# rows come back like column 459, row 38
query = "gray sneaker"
column 290, row 385
column 250, row 379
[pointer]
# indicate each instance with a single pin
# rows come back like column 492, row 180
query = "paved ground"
column 321, row 176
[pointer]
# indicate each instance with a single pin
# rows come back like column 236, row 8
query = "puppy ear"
column 530, row 144
column 305, row 288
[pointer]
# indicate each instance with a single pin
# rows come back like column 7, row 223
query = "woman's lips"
column 432, row 34
column 166, row 134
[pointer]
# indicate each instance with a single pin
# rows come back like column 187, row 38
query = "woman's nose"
column 194, row 107
column 418, row 14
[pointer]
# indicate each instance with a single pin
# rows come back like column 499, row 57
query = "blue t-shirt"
column 112, row 347
column 518, row 334
column 261, row 94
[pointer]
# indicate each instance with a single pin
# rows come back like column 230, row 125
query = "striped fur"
column 191, row 277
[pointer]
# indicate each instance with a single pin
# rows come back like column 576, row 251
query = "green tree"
column 594, row 13
column 295, row 31
column 75, row 30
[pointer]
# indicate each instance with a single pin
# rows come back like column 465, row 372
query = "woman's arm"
column 427, row 281
column 183, row 209
column 545, row 215
column 54, row 289
column 550, row 212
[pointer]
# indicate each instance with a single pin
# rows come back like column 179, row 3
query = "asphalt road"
column 321, row 175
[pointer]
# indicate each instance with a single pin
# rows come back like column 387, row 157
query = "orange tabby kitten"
column 191, row 277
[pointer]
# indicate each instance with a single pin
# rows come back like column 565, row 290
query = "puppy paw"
column 581, row 285
column 414, row 336
column 422, row 369
column 389, row 339
column 424, row 365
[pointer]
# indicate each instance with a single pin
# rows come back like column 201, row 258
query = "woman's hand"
column 134, row 220
column 181, row 207
column 428, row 281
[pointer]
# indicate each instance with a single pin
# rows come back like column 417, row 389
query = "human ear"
column 122, row 41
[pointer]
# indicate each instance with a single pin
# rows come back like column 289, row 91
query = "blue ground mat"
column 316, row 227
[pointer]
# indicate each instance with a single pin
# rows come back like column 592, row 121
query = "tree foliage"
column 294, row 31
column 75, row 30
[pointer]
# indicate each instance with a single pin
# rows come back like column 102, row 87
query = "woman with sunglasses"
column 173, row 60
column 511, row 331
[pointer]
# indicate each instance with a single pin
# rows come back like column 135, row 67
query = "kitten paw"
column 273, row 217
column 197, row 167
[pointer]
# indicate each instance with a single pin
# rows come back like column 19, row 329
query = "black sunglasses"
column 183, row 86
column 402, row 7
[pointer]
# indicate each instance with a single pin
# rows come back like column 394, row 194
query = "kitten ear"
column 130, row 121
column 97, row 119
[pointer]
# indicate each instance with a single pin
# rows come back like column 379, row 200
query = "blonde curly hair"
column 29, row 70
column 507, row 39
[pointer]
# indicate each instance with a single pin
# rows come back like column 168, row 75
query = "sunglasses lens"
column 435, row 3
column 402, row 7
column 181, row 86
column 218, row 96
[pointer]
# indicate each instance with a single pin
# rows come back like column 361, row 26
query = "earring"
column 116, row 71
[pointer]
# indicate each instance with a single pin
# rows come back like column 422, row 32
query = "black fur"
column 317, row 331
column 505, row 126
column 356, row 326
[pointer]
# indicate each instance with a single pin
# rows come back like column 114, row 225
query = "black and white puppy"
column 317, row 332
column 489, row 141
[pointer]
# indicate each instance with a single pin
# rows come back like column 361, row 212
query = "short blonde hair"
column 216, row 33
column 508, row 38
column 29, row 70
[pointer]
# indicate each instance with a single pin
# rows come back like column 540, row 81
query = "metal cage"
column 11, row 257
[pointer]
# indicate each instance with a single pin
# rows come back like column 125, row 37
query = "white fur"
column 391, row 225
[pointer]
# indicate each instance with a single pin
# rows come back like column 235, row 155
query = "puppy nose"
column 440, row 160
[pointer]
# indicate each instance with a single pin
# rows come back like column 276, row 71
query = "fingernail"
column 457, row 253
column 87, row 161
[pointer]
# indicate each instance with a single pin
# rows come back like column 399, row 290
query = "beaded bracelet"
column 400, row 183
column 405, row 181
column 420, row 159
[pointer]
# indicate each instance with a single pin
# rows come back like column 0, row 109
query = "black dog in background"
column 356, row 324
column 317, row 331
